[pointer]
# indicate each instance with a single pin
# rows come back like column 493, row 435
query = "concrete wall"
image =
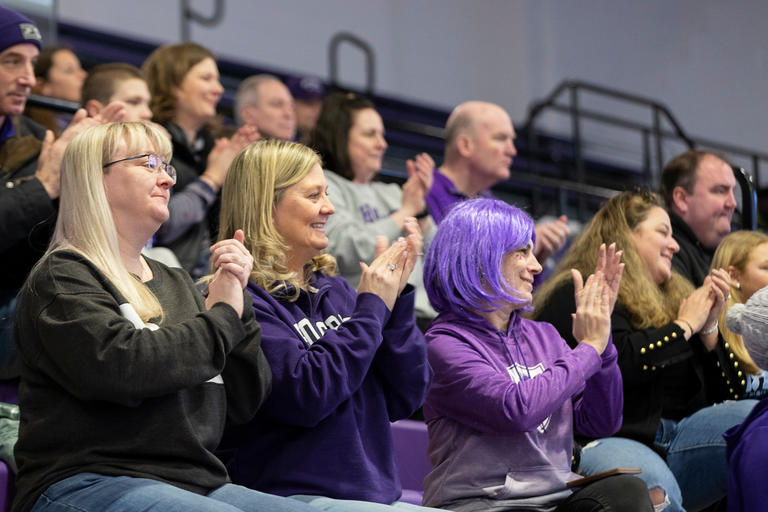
column 707, row 60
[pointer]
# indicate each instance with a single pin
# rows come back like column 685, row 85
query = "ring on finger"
column 392, row 266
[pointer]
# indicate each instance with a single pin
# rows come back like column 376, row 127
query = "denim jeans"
column 89, row 492
column 619, row 452
column 695, row 450
column 334, row 505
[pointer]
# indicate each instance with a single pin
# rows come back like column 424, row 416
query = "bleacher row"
column 543, row 173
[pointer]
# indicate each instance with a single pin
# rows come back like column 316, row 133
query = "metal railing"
column 55, row 104
column 333, row 60
column 189, row 15
column 662, row 128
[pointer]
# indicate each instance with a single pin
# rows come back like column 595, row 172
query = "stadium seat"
column 411, row 441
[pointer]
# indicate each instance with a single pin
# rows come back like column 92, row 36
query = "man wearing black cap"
column 27, row 190
column 30, row 163
column 20, row 138
column 308, row 94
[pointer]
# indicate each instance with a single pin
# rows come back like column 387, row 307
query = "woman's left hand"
column 592, row 320
column 231, row 256
column 609, row 263
column 413, row 246
column 422, row 166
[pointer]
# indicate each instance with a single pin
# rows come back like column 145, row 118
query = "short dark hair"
column 331, row 133
column 102, row 80
column 681, row 172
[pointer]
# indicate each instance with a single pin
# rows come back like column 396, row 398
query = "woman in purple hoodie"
column 344, row 363
column 507, row 391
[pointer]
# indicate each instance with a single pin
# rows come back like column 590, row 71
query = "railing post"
column 756, row 171
column 188, row 14
column 578, row 157
column 647, row 171
column 659, row 145
column 333, row 59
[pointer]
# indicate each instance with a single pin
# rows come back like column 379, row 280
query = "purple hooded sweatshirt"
column 502, row 408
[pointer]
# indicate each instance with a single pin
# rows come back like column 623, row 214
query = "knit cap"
column 306, row 87
column 16, row 29
column 751, row 321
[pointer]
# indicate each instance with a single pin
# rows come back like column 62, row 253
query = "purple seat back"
column 7, row 487
column 411, row 442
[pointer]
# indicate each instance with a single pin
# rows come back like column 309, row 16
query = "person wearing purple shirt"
column 507, row 391
column 344, row 363
column 479, row 148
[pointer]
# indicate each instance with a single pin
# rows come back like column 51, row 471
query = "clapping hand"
column 551, row 237
column 609, row 263
column 233, row 264
column 592, row 320
column 383, row 277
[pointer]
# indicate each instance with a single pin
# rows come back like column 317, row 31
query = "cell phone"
column 599, row 476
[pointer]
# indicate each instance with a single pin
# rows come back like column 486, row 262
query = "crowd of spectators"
column 199, row 321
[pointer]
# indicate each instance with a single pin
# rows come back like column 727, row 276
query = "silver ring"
column 392, row 266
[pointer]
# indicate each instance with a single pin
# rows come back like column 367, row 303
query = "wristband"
column 709, row 330
column 423, row 213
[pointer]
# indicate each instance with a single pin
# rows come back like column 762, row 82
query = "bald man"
column 265, row 102
column 479, row 148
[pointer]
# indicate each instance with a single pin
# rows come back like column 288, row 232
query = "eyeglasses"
column 154, row 162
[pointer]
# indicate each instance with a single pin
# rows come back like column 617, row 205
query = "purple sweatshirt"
column 343, row 367
column 502, row 408
column 747, row 449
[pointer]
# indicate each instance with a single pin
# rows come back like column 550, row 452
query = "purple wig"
column 462, row 268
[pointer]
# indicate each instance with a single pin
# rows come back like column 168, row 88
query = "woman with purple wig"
column 507, row 391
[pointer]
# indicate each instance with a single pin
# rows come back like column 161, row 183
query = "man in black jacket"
column 30, row 163
column 698, row 188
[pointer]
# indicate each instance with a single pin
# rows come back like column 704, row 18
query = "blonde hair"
column 736, row 250
column 648, row 304
column 85, row 224
column 256, row 180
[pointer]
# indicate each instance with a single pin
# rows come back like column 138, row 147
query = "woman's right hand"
column 233, row 264
column 383, row 276
column 694, row 310
column 223, row 152
column 415, row 189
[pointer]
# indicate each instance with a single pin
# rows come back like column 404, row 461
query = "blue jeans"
column 619, row 452
column 695, row 450
column 88, row 492
column 334, row 505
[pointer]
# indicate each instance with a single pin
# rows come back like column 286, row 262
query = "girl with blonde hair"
column 122, row 357
column 664, row 331
column 744, row 254
column 344, row 363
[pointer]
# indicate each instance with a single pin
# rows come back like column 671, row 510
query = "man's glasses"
column 154, row 162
